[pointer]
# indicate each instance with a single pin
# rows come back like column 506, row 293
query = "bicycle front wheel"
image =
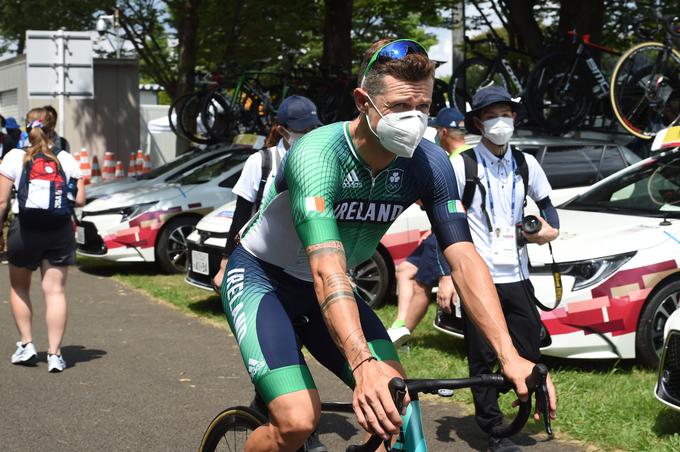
column 230, row 429
column 645, row 89
column 559, row 94
column 471, row 75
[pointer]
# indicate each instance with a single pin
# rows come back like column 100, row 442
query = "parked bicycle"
column 645, row 88
column 562, row 86
column 221, row 109
column 480, row 70
column 231, row 428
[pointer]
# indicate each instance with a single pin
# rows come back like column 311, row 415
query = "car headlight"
column 136, row 210
column 590, row 272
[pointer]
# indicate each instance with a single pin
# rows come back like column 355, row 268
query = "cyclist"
column 337, row 192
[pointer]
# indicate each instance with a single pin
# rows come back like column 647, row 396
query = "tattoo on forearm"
column 326, row 248
column 337, row 281
column 335, row 297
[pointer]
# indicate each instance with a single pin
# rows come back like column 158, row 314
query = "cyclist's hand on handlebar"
column 372, row 401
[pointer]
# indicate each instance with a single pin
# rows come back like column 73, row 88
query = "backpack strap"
column 522, row 170
column 472, row 183
column 266, row 169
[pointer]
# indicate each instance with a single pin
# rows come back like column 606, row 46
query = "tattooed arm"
column 372, row 402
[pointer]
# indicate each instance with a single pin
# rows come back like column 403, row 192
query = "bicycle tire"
column 189, row 119
column 239, row 421
column 173, row 111
column 556, row 109
column 217, row 116
column 482, row 72
column 623, row 94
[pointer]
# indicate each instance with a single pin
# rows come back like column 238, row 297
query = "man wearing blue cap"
column 494, row 198
column 450, row 125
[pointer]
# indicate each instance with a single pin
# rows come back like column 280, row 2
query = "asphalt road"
column 144, row 376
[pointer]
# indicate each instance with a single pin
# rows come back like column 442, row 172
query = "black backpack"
column 266, row 169
column 472, row 181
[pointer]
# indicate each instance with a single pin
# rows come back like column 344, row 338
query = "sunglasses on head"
column 395, row 50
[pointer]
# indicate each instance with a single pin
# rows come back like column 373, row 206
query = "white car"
column 150, row 224
column 667, row 389
column 619, row 253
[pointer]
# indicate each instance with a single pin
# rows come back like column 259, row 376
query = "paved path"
column 144, row 376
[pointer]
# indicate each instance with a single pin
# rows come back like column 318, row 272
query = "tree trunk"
column 457, row 34
column 337, row 37
column 525, row 27
column 187, row 35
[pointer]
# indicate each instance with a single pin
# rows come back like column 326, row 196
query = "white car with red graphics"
column 619, row 255
column 150, row 224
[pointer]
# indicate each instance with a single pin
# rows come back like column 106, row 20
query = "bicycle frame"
column 601, row 83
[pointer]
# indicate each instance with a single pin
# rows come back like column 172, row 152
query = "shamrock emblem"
column 394, row 178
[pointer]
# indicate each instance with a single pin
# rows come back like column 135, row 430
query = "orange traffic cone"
column 96, row 172
column 147, row 162
column 109, row 168
column 139, row 162
column 120, row 171
column 85, row 168
column 132, row 166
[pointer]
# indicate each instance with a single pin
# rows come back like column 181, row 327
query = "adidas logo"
column 351, row 180
column 254, row 366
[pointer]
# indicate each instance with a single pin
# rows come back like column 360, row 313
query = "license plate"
column 80, row 235
column 199, row 262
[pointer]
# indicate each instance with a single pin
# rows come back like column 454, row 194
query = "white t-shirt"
column 248, row 184
column 12, row 167
column 500, row 172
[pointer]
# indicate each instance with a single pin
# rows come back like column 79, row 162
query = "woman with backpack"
column 49, row 185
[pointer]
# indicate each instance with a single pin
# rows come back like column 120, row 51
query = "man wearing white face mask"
column 494, row 198
column 337, row 192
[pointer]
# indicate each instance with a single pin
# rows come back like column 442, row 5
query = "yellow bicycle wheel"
column 231, row 429
column 645, row 90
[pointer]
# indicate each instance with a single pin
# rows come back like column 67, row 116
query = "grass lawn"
column 607, row 404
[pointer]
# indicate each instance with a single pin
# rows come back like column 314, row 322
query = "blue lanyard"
column 488, row 186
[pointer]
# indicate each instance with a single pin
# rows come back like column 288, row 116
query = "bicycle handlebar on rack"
column 537, row 383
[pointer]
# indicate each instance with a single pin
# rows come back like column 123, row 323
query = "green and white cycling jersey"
column 325, row 192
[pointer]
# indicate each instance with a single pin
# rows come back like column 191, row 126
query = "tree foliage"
column 17, row 16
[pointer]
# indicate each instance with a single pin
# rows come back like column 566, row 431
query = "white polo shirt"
column 498, row 187
column 249, row 182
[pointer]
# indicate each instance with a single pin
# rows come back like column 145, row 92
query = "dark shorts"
column 29, row 247
column 272, row 315
column 430, row 262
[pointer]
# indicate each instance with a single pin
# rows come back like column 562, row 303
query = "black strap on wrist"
column 370, row 358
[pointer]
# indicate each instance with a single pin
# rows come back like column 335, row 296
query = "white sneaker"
column 399, row 336
column 24, row 354
column 55, row 363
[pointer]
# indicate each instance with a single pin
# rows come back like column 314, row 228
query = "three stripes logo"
column 351, row 180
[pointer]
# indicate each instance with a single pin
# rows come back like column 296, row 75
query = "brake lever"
column 543, row 398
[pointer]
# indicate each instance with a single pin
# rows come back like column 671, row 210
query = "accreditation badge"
column 504, row 245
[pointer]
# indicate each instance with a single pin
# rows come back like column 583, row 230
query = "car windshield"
column 652, row 189
column 209, row 171
column 181, row 160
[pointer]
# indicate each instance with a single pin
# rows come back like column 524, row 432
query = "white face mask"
column 401, row 132
column 292, row 137
column 498, row 130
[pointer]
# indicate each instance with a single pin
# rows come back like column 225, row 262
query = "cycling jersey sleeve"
column 441, row 199
column 312, row 175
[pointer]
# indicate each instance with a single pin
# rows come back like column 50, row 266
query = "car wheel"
column 649, row 335
column 171, row 247
column 372, row 280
